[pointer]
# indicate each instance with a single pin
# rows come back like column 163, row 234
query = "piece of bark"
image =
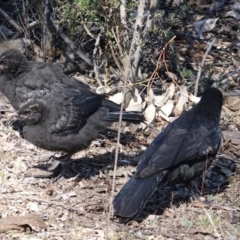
column 30, row 221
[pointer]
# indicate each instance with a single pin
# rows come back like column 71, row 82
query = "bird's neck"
column 211, row 110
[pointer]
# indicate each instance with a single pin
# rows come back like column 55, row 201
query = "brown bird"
column 180, row 153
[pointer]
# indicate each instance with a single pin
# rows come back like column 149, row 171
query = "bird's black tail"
column 114, row 113
column 112, row 106
column 126, row 116
column 134, row 195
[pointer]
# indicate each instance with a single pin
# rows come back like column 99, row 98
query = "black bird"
column 56, row 112
column 22, row 81
column 61, row 126
column 180, row 153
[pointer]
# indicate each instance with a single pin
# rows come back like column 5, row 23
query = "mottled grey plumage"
column 181, row 152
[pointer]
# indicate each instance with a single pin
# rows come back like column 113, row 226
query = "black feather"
column 181, row 152
column 55, row 112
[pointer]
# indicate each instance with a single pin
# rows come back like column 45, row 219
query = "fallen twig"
column 42, row 200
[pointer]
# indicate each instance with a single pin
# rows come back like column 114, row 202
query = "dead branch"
column 137, row 39
column 95, row 67
column 123, row 17
column 115, row 58
column 11, row 21
column 153, row 6
column 71, row 44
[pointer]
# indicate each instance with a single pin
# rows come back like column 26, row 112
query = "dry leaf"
column 103, row 90
column 162, row 115
column 32, row 221
column 232, row 103
column 171, row 90
column 171, row 75
column 149, row 115
column 227, row 111
column 68, row 195
column 205, row 25
column 166, row 110
column 160, row 100
column 33, row 206
column 135, row 103
column 151, row 95
column 183, row 97
column 235, row 5
column 168, row 107
column 117, row 98
column 233, row 14
column 194, row 99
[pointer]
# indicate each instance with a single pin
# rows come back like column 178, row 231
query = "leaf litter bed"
column 75, row 206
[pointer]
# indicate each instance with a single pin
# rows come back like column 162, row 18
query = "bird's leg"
column 194, row 195
column 53, row 170
column 197, row 200
column 59, row 163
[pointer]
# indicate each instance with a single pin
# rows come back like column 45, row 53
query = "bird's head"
column 31, row 113
column 12, row 61
column 211, row 104
column 212, row 95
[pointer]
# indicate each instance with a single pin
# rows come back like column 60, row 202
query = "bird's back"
column 181, row 152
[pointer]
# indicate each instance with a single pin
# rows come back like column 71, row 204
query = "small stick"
column 95, row 67
column 11, row 21
column 37, row 199
column 70, row 43
column 201, row 66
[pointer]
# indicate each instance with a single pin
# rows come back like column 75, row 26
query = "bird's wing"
column 177, row 146
column 29, row 91
column 70, row 108
column 69, row 102
column 42, row 80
